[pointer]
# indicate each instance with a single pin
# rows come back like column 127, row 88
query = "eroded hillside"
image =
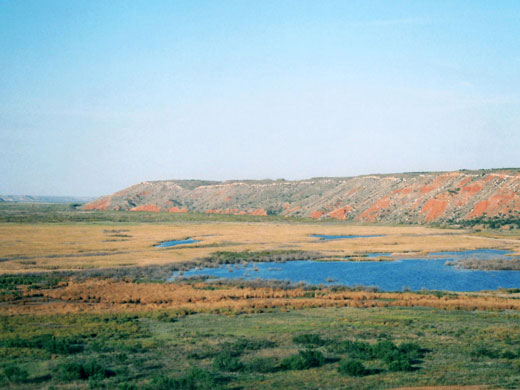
column 401, row 198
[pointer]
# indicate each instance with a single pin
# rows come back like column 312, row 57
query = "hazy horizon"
column 99, row 96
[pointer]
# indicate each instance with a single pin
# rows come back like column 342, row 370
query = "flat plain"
column 83, row 305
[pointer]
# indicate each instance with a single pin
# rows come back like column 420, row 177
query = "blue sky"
column 96, row 95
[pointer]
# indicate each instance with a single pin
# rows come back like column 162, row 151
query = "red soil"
column 495, row 204
column 426, row 189
column 403, row 191
column 463, row 182
column 435, row 208
column 488, row 178
column 146, row 207
column 230, row 211
column 472, row 189
column 340, row 213
column 177, row 210
column 438, row 182
column 352, row 191
column 261, row 212
column 371, row 213
column 480, row 208
column 316, row 214
column 101, row 204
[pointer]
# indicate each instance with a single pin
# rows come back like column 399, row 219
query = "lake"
column 430, row 273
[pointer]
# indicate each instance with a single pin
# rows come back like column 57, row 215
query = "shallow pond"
column 166, row 244
column 430, row 272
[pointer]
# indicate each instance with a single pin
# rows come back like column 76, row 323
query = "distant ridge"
column 45, row 199
column 419, row 197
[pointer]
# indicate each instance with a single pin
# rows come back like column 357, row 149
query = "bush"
column 195, row 379
column 251, row 345
column 200, row 354
column 398, row 361
column 356, row 349
column 482, row 351
column 48, row 343
column 309, row 339
column 83, row 370
column 227, row 361
column 262, row 365
column 412, row 350
column 402, row 364
column 384, row 348
column 15, row 374
column 304, row 360
column 509, row 355
column 352, row 368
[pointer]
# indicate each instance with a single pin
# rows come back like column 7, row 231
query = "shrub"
column 412, row 350
column 195, row 379
column 126, row 386
column 352, row 368
column 48, row 343
column 384, row 348
column 482, row 351
column 83, row 370
column 251, row 345
column 262, row 365
column 508, row 355
column 305, row 359
column 357, row 349
column 15, row 374
column 227, row 361
column 309, row 339
column 402, row 364
column 200, row 354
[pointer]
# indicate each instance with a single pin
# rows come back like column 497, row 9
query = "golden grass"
column 107, row 296
column 76, row 246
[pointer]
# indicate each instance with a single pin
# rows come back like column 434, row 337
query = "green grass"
column 36, row 213
column 69, row 213
column 316, row 348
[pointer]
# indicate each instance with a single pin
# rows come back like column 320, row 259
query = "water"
column 378, row 254
column 326, row 237
column 474, row 254
column 166, row 244
column 414, row 274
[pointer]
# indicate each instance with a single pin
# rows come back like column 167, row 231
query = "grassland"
column 83, row 304
column 182, row 350
column 39, row 241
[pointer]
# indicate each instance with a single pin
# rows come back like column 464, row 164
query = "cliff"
column 395, row 198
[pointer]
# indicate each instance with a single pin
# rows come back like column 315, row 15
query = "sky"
column 98, row 95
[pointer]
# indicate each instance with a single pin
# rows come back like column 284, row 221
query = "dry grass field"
column 74, row 246
column 107, row 296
